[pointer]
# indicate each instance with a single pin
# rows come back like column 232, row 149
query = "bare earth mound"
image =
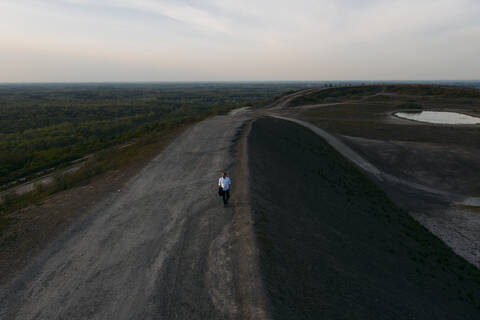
column 334, row 246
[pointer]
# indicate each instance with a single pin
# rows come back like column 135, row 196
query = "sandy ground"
column 161, row 247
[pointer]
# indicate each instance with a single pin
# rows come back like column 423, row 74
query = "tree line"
column 42, row 126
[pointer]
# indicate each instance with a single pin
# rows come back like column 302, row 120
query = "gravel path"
column 160, row 248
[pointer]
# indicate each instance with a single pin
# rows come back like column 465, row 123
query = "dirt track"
column 163, row 247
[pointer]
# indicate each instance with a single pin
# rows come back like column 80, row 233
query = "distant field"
column 406, row 94
column 445, row 156
column 366, row 112
column 46, row 125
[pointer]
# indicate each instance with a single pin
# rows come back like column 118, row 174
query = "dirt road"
column 368, row 167
column 161, row 248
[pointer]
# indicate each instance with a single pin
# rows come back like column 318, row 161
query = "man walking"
column 224, row 184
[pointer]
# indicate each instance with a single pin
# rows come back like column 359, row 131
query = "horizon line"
column 231, row 81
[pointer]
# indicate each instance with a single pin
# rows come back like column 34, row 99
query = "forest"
column 46, row 125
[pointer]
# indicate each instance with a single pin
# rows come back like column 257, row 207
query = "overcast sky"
column 230, row 40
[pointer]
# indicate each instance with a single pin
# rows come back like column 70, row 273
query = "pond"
column 439, row 117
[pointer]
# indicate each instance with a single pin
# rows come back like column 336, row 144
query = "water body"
column 439, row 117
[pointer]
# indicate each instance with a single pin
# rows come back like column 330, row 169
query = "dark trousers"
column 226, row 196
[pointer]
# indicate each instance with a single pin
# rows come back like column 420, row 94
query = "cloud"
column 242, row 40
column 175, row 10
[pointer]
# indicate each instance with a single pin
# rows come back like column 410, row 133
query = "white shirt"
column 224, row 183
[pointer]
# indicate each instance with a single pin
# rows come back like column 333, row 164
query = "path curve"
column 456, row 223
column 368, row 167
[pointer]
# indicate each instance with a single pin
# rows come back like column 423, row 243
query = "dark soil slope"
column 333, row 246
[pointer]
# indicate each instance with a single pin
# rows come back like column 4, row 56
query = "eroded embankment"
column 334, row 246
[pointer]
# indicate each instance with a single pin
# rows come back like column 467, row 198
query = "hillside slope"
column 333, row 246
